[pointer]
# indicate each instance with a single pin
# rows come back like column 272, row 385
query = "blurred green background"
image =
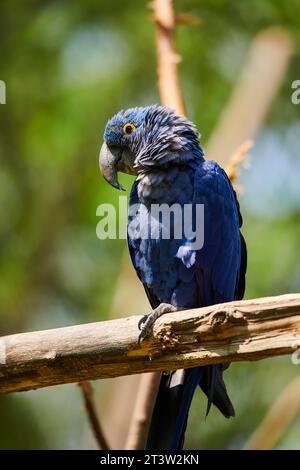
column 68, row 67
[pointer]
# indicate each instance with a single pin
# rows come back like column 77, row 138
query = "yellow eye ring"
column 129, row 128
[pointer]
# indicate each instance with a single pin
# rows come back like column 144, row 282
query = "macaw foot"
column 147, row 321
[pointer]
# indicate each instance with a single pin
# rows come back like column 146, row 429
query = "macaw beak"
column 109, row 158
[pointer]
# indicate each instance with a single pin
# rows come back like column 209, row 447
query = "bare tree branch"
column 167, row 55
column 142, row 414
column 234, row 331
column 87, row 393
column 278, row 419
column 186, row 18
column 260, row 80
column 238, row 158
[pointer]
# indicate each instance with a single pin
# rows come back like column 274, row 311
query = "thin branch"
column 239, row 158
column 278, row 419
column 87, row 393
column 144, row 405
column 187, row 19
column 167, row 55
column 260, row 81
column 234, row 331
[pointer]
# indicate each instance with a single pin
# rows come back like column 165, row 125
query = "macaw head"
column 142, row 139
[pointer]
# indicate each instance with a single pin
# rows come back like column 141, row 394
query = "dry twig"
column 260, row 80
column 87, row 393
column 167, row 55
column 139, row 428
column 238, row 158
column 278, row 419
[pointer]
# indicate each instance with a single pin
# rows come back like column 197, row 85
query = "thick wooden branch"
column 235, row 331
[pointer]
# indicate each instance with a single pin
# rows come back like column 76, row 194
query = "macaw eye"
column 129, row 128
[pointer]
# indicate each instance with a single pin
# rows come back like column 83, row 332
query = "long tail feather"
column 174, row 399
column 213, row 386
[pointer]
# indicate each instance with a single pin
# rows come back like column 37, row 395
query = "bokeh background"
column 68, row 67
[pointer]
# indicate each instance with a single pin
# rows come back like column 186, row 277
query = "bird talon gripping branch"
column 147, row 321
column 142, row 321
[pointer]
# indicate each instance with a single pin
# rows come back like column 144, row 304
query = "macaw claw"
column 146, row 323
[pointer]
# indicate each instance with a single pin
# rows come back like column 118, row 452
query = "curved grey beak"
column 109, row 158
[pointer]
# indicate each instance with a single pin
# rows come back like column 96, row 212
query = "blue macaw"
column 162, row 149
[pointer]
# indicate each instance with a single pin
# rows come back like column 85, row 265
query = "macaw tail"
column 174, row 399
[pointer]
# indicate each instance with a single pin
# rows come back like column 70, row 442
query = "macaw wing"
column 219, row 262
column 219, row 267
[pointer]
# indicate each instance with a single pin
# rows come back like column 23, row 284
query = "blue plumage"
column 164, row 152
column 210, row 274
